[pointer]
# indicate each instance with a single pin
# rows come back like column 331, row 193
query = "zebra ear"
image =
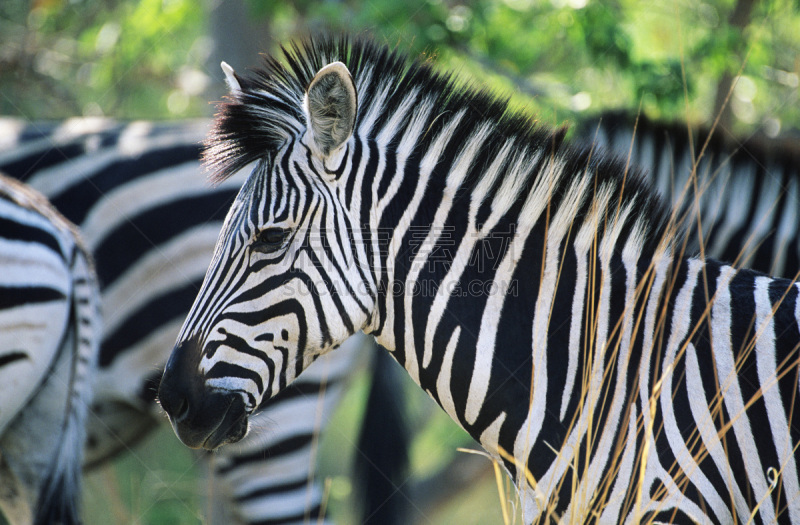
column 330, row 104
column 232, row 79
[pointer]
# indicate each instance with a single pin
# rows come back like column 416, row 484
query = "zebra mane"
column 268, row 111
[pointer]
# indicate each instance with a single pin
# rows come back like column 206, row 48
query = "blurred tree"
column 678, row 59
column 236, row 37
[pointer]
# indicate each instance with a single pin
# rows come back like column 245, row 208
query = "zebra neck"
column 476, row 264
column 478, row 320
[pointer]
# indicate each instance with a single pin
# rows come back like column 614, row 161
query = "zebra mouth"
column 218, row 420
column 231, row 428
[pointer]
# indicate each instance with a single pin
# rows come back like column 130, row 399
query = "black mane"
column 268, row 112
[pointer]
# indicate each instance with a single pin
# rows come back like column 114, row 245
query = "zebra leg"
column 61, row 491
column 270, row 473
column 46, row 464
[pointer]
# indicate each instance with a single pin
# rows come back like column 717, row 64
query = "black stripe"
column 128, row 243
column 160, row 310
column 23, row 168
column 222, row 370
column 298, row 389
column 351, row 177
column 11, row 297
column 12, row 357
column 77, row 201
column 273, row 489
column 13, row 230
column 311, row 515
column 281, row 448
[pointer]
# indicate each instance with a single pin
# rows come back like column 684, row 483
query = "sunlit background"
column 733, row 60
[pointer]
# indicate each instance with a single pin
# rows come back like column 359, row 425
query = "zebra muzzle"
column 200, row 417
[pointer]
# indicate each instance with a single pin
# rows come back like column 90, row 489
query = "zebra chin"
column 200, row 417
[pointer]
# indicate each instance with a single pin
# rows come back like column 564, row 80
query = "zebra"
column 49, row 338
column 741, row 203
column 150, row 219
column 532, row 288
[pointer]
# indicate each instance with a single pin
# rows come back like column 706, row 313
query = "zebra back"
column 149, row 219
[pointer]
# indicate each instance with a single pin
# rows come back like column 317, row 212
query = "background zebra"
column 151, row 221
column 738, row 198
column 344, row 170
column 49, row 337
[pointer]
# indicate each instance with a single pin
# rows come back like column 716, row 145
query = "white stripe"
column 766, row 363
column 711, row 438
column 465, row 247
column 391, row 127
column 721, row 322
column 739, row 193
column 762, row 221
column 377, row 108
column 583, row 243
column 455, row 178
column 490, row 438
column 535, row 203
column 445, row 375
column 787, row 229
column 387, row 337
column 679, row 331
column 625, row 475
column 559, row 227
column 133, row 141
column 606, row 321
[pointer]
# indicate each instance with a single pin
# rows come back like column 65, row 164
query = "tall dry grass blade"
column 498, row 476
column 326, row 493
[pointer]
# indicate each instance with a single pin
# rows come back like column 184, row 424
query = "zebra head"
column 287, row 282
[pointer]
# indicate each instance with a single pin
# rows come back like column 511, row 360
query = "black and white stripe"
column 149, row 217
column 563, row 332
column 49, row 341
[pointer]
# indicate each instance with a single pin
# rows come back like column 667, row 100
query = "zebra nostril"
column 182, row 411
column 174, row 401
column 176, row 407
column 178, row 392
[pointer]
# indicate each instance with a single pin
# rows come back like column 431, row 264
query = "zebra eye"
column 270, row 239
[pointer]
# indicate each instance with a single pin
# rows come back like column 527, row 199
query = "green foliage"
column 561, row 58
column 155, row 483
column 129, row 59
column 566, row 57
